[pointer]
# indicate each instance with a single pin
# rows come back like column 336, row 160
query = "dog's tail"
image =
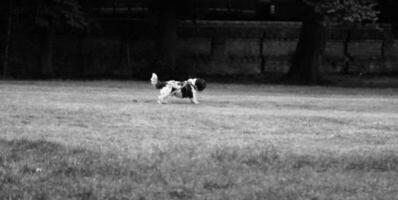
column 156, row 82
column 154, row 79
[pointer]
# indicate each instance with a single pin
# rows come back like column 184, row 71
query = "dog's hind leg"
column 164, row 93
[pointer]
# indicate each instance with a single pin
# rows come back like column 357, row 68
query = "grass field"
column 111, row 140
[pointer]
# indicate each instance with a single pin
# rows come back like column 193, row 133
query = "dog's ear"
column 200, row 84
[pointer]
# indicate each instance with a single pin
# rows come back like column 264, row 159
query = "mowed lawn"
column 111, row 140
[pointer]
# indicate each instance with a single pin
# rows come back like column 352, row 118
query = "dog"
column 185, row 89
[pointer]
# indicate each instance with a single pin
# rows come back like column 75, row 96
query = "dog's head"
column 199, row 83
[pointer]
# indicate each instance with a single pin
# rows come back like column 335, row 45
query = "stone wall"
column 230, row 48
column 205, row 48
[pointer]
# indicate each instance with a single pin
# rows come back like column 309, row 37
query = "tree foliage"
column 47, row 13
column 346, row 11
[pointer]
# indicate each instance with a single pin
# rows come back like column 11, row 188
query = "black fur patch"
column 160, row 84
column 186, row 91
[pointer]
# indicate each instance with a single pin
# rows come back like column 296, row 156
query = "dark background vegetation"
column 84, row 39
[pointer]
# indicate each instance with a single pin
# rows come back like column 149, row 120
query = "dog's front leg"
column 194, row 101
column 164, row 93
column 194, row 98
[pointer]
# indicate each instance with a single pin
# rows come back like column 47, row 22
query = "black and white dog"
column 186, row 89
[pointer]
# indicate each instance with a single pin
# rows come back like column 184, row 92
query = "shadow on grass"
column 46, row 170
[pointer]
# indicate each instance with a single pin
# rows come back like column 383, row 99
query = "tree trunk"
column 128, row 59
column 218, row 45
column 309, row 51
column 348, row 58
column 167, row 21
column 387, row 49
column 46, row 53
column 5, row 72
column 80, row 57
column 262, row 57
